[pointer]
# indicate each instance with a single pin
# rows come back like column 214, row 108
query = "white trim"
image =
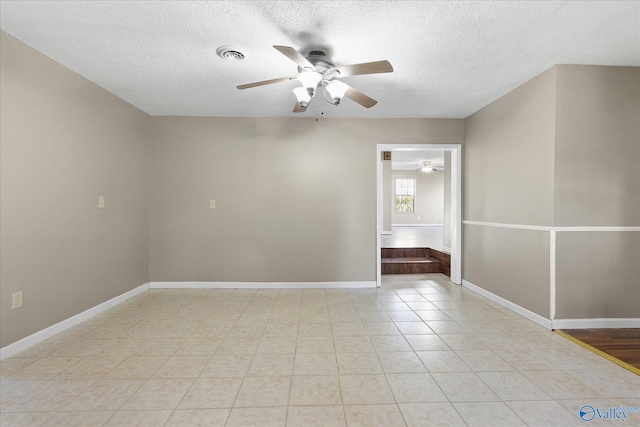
column 387, row 233
column 499, row 225
column 508, row 304
column 557, row 323
column 417, row 225
column 24, row 343
column 456, row 215
column 446, row 249
column 418, row 147
column 456, row 201
column 261, row 285
column 598, row 228
column 548, row 228
column 552, row 274
column 552, row 251
column 379, row 214
column 595, row 323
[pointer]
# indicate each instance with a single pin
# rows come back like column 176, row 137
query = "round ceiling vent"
column 230, row 53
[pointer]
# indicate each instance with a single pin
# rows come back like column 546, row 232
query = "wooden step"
column 410, row 260
column 410, row 265
column 414, row 261
column 443, row 257
column 405, row 252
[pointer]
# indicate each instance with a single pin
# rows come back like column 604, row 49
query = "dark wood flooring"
column 623, row 344
column 414, row 261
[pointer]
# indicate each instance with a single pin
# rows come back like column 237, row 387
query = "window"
column 405, row 195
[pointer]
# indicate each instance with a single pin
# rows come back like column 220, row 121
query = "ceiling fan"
column 317, row 70
column 427, row 167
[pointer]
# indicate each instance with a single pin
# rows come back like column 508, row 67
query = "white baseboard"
column 542, row 321
column 24, row 343
column 387, row 232
column 595, row 323
column 261, row 285
column 417, row 225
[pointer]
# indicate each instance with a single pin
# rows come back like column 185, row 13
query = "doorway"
column 455, row 211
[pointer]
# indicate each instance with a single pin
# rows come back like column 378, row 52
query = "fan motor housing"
column 319, row 60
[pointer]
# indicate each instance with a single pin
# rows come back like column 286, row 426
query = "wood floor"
column 414, row 261
column 414, row 250
column 623, row 344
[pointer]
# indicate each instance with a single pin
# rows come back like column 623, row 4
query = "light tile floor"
column 420, row 351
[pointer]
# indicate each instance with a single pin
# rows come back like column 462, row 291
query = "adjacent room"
column 417, row 201
column 416, row 212
column 338, row 213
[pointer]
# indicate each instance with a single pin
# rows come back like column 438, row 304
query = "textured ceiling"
column 450, row 58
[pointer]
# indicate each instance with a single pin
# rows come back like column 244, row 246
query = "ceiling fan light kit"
column 310, row 80
column 317, row 70
column 303, row 96
column 336, row 90
column 427, row 168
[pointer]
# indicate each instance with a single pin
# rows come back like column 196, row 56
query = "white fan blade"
column 265, row 82
column 360, row 98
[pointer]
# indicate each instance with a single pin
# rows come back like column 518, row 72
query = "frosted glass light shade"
column 310, row 80
column 303, row 96
column 336, row 90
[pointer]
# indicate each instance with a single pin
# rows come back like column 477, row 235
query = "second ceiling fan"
column 316, row 70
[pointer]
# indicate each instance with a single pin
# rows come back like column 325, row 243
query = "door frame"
column 456, row 202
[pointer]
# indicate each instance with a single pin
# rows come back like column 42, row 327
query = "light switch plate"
column 101, row 202
column 212, row 204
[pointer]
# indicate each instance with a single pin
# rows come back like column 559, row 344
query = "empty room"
column 305, row 213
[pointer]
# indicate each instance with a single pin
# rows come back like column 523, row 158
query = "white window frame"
column 395, row 195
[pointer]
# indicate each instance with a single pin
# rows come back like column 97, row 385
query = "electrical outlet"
column 16, row 301
column 212, row 204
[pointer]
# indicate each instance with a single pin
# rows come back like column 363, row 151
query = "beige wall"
column 511, row 263
column 295, row 198
column 597, row 275
column 597, row 171
column 508, row 178
column 429, row 202
column 64, row 142
column 561, row 150
column 597, row 183
column 508, row 156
